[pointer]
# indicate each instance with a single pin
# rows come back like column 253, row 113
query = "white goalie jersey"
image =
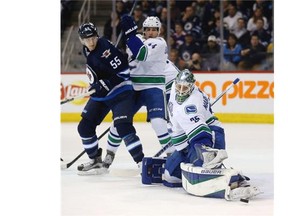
column 192, row 117
column 150, row 72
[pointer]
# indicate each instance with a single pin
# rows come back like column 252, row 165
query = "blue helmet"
column 87, row 30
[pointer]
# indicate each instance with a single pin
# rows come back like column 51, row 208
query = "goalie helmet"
column 153, row 22
column 87, row 30
column 184, row 85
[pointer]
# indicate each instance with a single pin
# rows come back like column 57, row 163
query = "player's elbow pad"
column 137, row 48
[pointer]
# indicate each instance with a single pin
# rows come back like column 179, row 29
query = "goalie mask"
column 184, row 85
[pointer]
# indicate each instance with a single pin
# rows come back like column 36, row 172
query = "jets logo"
column 90, row 75
column 106, row 53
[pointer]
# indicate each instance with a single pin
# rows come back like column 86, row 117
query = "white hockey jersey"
column 191, row 119
column 150, row 72
column 170, row 72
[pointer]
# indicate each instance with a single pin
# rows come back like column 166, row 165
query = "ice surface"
column 249, row 147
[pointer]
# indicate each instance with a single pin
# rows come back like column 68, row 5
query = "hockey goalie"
column 199, row 141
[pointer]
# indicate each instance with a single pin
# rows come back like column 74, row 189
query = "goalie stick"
column 66, row 166
column 218, row 97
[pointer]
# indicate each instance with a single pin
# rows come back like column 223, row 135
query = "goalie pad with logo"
column 216, row 183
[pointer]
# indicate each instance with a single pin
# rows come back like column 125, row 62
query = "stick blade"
column 63, row 166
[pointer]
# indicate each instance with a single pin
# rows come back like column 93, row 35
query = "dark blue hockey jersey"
column 110, row 65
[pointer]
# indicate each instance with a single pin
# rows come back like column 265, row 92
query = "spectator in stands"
column 264, row 35
column 211, row 11
column 179, row 35
column 269, row 63
column 196, row 63
column 174, row 58
column 226, row 4
column 251, row 25
column 188, row 47
column 210, row 23
column 231, row 19
column 175, row 11
column 242, row 34
column 200, row 8
column 191, row 22
column 114, row 21
column 217, row 29
column 254, row 55
column 245, row 8
column 120, row 8
column 139, row 18
column 211, row 47
column 147, row 8
column 172, row 42
column 163, row 31
column 232, row 51
column 163, row 18
column 66, row 11
column 211, row 52
column 266, row 6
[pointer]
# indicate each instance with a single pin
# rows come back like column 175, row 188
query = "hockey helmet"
column 87, row 30
column 184, row 85
column 152, row 21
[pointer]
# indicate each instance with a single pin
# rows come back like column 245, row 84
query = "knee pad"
column 86, row 128
column 172, row 164
column 125, row 129
column 152, row 170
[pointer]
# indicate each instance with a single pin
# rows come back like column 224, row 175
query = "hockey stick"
column 218, row 97
column 66, row 166
column 77, row 97
column 121, row 33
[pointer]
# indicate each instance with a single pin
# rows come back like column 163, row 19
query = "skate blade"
column 96, row 171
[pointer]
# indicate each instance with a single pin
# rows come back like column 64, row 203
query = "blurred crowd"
column 196, row 26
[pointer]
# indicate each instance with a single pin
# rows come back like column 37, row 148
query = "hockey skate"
column 108, row 159
column 93, row 167
column 212, row 158
column 244, row 193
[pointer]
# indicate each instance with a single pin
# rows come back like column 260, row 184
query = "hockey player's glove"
column 102, row 87
column 128, row 25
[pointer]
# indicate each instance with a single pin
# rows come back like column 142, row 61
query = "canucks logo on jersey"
column 190, row 109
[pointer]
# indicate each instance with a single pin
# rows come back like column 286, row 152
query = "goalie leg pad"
column 216, row 183
column 152, row 170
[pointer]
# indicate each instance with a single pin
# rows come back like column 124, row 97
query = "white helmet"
column 184, row 85
column 152, row 21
